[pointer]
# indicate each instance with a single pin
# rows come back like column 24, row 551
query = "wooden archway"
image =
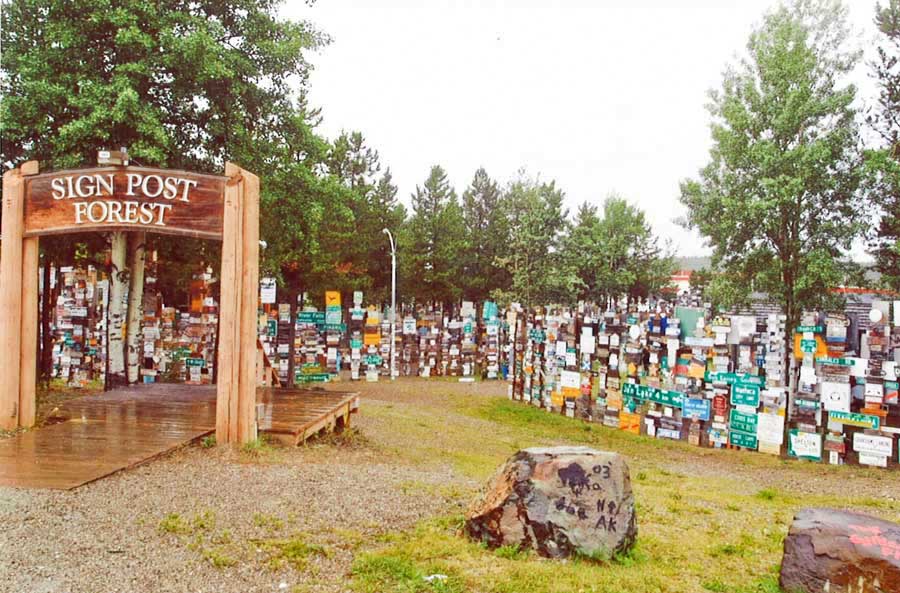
column 127, row 198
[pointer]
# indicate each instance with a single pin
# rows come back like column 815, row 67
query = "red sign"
column 720, row 405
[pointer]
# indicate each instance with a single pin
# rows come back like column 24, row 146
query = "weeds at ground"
column 294, row 551
column 260, row 449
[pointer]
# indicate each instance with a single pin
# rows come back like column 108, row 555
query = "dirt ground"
column 378, row 509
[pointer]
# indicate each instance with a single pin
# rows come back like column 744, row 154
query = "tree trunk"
column 118, row 284
column 46, row 359
column 135, row 343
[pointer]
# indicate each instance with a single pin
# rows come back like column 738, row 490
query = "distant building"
column 682, row 280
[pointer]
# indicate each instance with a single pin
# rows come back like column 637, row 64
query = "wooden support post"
column 237, row 358
column 12, row 230
column 228, row 361
column 247, row 430
column 29, row 332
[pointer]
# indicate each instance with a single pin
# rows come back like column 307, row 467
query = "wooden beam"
column 12, row 230
column 247, row 429
column 228, row 360
column 29, row 332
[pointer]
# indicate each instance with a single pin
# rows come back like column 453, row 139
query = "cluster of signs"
column 718, row 383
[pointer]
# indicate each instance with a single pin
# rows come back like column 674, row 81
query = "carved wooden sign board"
column 125, row 198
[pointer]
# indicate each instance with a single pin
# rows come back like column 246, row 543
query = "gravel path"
column 107, row 536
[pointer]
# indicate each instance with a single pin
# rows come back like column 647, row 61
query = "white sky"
column 601, row 96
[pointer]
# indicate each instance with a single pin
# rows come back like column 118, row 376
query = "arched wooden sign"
column 129, row 199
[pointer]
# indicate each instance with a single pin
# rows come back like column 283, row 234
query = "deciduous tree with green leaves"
column 617, row 255
column 182, row 85
column 884, row 163
column 778, row 201
column 534, row 257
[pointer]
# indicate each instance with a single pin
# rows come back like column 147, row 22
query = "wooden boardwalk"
column 99, row 435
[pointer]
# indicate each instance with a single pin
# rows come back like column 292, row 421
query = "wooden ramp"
column 100, row 435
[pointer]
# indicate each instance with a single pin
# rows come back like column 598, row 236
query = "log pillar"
column 18, row 282
column 239, row 281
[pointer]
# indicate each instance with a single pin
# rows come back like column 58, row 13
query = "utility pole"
column 393, row 304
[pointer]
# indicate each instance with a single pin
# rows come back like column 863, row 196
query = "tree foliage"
column 884, row 163
column 431, row 242
column 615, row 254
column 487, row 234
column 534, row 257
column 778, row 201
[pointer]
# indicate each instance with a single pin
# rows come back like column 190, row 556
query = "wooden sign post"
column 132, row 199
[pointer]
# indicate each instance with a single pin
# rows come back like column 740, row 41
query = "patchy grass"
column 708, row 520
column 260, row 449
column 294, row 551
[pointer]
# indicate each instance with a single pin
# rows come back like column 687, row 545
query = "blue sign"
column 698, row 408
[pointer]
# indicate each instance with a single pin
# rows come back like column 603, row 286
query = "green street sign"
column 745, row 395
column 537, row 335
column 356, row 343
column 808, row 346
column 816, row 329
column 311, row 317
column 374, row 359
column 333, row 327
column 194, row 362
column 732, row 378
column 311, row 377
column 659, row 396
column 843, row 362
column 741, row 422
column 851, row 419
column 739, row 439
column 271, row 328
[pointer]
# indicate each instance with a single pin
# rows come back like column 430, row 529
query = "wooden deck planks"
column 100, row 435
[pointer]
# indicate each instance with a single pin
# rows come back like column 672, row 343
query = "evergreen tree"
column 487, row 234
column 432, row 241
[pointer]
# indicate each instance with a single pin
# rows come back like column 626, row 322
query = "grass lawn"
column 708, row 520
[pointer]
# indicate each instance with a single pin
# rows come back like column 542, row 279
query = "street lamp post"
column 393, row 304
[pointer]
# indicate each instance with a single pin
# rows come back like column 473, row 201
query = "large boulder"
column 560, row 501
column 841, row 552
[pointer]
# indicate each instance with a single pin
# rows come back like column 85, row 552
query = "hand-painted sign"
column 125, row 198
column 873, row 444
column 770, row 428
column 807, row 445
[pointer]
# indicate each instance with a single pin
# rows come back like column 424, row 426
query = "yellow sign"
column 332, row 298
column 630, row 422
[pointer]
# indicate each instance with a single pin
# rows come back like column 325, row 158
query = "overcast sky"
column 602, row 96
